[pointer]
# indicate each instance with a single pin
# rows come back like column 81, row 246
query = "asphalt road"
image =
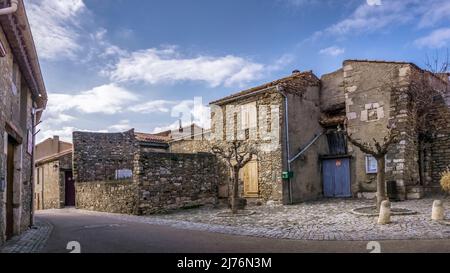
column 98, row 234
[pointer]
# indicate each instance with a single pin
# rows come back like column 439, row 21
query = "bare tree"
column 423, row 102
column 378, row 149
column 236, row 154
column 437, row 64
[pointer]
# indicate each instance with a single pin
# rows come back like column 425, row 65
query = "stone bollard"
column 385, row 213
column 438, row 213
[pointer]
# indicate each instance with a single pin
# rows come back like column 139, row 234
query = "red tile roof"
column 308, row 75
column 151, row 138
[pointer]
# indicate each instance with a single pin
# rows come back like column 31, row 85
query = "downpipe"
column 288, row 145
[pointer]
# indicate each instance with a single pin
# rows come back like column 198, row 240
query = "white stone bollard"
column 438, row 212
column 385, row 213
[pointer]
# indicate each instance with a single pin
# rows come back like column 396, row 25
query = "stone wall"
column 97, row 156
column 440, row 143
column 267, row 138
column 190, row 146
column 15, row 109
column 168, row 181
column 371, row 105
column 332, row 90
column 107, row 196
column 51, row 188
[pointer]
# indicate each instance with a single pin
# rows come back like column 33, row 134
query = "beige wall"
column 304, row 114
column 269, row 160
column 51, row 146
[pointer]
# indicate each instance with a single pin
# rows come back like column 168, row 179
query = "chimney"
column 181, row 127
column 55, row 145
column 296, row 71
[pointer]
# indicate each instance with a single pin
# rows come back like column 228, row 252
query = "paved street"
column 108, row 233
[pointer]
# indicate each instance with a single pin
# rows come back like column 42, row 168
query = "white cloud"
column 437, row 39
column 106, row 99
column 54, row 25
column 154, row 106
column 332, row 51
column 167, row 65
column 377, row 15
column 65, row 133
column 370, row 18
column 188, row 111
column 435, row 12
column 374, row 2
column 122, row 126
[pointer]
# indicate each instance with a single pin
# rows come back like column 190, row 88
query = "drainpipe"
column 33, row 132
column 11, row 9
column 288, row 148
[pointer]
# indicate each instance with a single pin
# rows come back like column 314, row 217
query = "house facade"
column 54, row 187
column 297, row 125
column 22, row 99
column 258, row 115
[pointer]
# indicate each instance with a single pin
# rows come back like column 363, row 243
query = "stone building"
column 54, row 187
column 22, row 99
column 135, row 173
column 296, row 123
column 258, row 115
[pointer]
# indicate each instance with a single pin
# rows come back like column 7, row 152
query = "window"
column 38, row 176
column 371, row 164
column 249, row 116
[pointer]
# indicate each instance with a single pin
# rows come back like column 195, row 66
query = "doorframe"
column 13, row 147
column 350, row 158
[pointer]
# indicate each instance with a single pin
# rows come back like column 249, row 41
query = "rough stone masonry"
column 159, row 181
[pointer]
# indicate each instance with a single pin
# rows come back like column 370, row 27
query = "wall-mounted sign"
column 124, row 174
column 2, row 50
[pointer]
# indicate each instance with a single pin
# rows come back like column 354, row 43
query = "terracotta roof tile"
column 151, row 138
column 308, row 75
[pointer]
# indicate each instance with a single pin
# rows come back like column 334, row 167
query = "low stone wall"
column 113, row 197
column 174, row 181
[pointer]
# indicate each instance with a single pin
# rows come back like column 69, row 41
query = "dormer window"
column 2, row 50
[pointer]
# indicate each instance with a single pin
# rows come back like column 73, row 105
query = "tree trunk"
column 235, row 193
column 381, row 183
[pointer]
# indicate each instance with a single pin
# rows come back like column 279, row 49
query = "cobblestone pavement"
column 321, row 220
column 31, row 241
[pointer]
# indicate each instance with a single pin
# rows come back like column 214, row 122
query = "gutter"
column 12, row 9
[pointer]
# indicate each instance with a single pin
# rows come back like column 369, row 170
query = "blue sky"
column 112, row 65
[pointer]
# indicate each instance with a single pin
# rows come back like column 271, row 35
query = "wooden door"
column 10, row 191
column 70, row 189
column 250, row 173
column 336, row 178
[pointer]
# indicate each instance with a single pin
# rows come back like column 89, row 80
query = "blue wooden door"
column 336, row 177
